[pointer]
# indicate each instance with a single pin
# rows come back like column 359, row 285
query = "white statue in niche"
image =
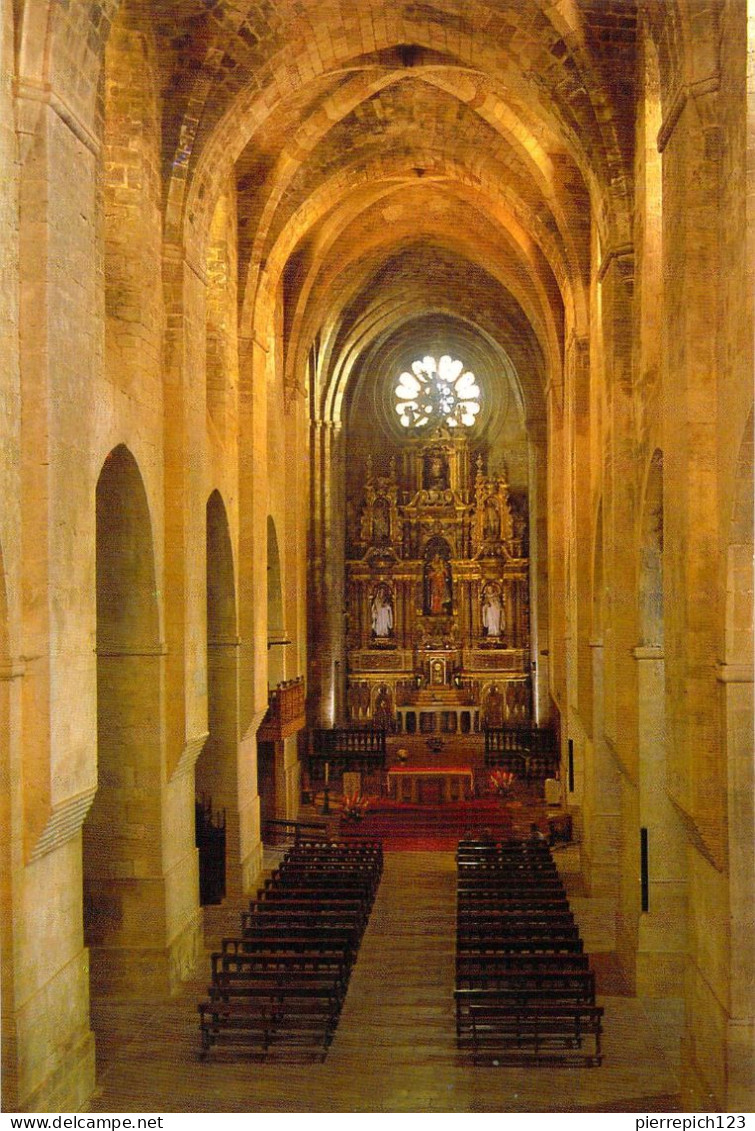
column 492, row 612
column 382, row 611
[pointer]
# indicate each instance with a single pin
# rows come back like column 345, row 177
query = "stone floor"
column 394, row 1050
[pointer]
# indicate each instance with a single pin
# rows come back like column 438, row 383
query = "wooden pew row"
column 508, row 1033
column 499, row 854
column 476, row 971
column 487, row 897
column 476, row 918
column 524, row 990
column 279, row 986
column 334, row 850
column 255, row 1019
column 363, row 883
column 475, row 963
column 228, row 962
column 303, row 892
column 289, row 903
column 547, row 987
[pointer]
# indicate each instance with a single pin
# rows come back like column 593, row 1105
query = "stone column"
column 602, row 798
column 252, row 590
column 662, row 941
column 736, row 691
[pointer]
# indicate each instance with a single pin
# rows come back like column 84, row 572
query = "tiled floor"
column 394, row 1050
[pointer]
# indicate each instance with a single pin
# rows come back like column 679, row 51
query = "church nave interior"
column 375, row 374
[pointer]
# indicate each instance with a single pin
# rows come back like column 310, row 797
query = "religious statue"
column 382, row 611
column 492, row 523
column 382, row 714
column 438, row 587
column 492, row 612
column 436, row 471
column 354, row 701
column 381, row 520
column 493, row 713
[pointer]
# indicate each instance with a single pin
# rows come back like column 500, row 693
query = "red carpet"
column 427, row 828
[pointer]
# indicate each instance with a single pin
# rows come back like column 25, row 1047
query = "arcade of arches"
column 232, row 227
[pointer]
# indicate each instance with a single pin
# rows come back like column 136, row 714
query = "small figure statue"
column 492, row 521
column 382, row 611
column 493, row 716
column 438, row 587
column 492, row 612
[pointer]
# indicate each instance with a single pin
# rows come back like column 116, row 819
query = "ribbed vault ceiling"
column 393, row 161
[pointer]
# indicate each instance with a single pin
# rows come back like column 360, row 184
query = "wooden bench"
column 545, row 944
column 492, row 965
column 512, row 895
column 509, row 1033
column 316, row 896
column 579, row 983
column 293, row 907
column 270, row 960
column 472, row 896
column 324, row 924
column 294, row 1020
column 363, row 886
column 344, row 849
column 278, row 985
column 335, row 873
column 546, row 987
column 503, row 930
column 527, row 919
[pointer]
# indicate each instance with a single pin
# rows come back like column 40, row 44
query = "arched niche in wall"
column 276, row 631
column 124, row 908
column 217, row 800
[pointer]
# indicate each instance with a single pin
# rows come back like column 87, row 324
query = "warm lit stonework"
column 228, row 228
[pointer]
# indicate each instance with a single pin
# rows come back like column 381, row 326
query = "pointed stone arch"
column 216, row 770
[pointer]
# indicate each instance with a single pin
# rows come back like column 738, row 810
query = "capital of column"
column 29, row 92
column 734, row 673
column 246, row 341
column 224, row 642
column 648, row 652
column 12, row 669
column 146, row 650
column 333, row 426
column 189, row 755
column 698, row 89
column 623, row 258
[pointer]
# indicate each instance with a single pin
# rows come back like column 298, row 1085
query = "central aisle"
column 400, row 1007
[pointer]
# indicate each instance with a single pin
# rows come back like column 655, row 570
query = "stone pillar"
column 61, row 350
column 252, row 589
column 602, row 830
column 663, row 927
column 736, row 690
column 328, row 568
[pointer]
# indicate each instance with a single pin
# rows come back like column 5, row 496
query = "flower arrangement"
column 354, row 806
column 502, row 782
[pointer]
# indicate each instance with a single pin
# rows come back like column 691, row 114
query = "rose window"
column 442, row 392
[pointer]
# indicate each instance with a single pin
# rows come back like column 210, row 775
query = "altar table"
column 414, row 783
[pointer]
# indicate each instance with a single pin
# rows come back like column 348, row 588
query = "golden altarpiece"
column 437, row 592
